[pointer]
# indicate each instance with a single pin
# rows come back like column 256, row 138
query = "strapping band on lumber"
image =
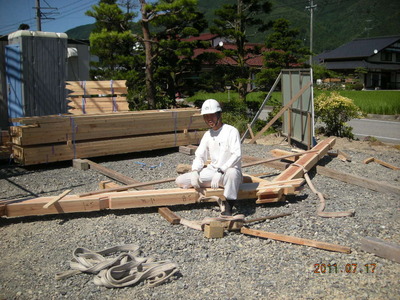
column 57, row 138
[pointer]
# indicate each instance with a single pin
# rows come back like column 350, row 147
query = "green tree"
column 164, row 25
column 234, row 23
column 284, row 51
column 112, row 42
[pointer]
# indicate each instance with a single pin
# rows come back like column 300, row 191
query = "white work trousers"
column 230, row 181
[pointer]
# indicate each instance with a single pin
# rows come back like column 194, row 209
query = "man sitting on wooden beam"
column 222, row 144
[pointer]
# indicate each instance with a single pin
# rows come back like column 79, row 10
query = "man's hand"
column 195, row 179
column 215, row 180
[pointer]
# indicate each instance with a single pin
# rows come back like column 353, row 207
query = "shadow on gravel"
column 13, row 169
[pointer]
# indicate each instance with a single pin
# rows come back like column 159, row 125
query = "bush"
column 334, row 111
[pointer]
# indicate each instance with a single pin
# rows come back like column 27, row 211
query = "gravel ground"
column 34, row 249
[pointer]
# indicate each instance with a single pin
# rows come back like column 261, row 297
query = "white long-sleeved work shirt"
column 222, row 146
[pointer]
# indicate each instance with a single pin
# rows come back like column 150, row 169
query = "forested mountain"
column 335, row 21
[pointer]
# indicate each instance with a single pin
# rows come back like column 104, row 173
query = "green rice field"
column 370, row 102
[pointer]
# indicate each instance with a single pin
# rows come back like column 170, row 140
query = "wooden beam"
column 295, row 240
column 280, row 113
column 308, row 160
column 381, row 248
column 374, row 185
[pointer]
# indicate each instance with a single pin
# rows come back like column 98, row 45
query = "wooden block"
column 189, row 150
column 279, row 152
column 80, row 164
column 108, row 184
column 214, row 230
column 343, row 156
column 169, row 215
column 381, row 248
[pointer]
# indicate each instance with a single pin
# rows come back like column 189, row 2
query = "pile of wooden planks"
column 65, row 137
column 93, row 97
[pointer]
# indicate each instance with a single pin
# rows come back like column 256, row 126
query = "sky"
column 67, row 14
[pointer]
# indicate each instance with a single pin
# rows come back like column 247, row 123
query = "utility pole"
column 40, row 15
column 311, row 7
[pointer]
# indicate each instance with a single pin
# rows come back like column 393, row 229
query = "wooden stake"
column 250, row 131
column 56, row 199
column 374, row 185
column 295, row 240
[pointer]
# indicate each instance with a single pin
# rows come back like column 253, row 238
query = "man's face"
column 211, row 120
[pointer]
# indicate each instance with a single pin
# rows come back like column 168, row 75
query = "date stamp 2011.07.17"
column 349, row 268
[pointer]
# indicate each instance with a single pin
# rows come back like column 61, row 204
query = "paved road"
column 385, row 131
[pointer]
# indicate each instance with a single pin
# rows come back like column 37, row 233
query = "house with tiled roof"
column 378, row 56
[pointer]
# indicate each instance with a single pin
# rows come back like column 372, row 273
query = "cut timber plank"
column 308, row 160
column 56, row 199
column 381, row 248
column 381, row 162
column 295, row 240
column 169, row 215
column 374, row 185
column 111, row 173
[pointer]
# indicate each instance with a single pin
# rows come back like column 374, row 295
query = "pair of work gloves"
column 195, row 180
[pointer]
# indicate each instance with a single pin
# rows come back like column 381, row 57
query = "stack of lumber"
column 93, row 97
column 65, row 137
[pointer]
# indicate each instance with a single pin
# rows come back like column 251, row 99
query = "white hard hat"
column 210, row 106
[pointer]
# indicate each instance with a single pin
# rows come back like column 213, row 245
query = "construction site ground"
column 236, row 266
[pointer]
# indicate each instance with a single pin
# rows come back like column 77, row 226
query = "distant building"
column 378, row 56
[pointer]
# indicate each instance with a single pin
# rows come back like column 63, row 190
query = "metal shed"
column 36, row 68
